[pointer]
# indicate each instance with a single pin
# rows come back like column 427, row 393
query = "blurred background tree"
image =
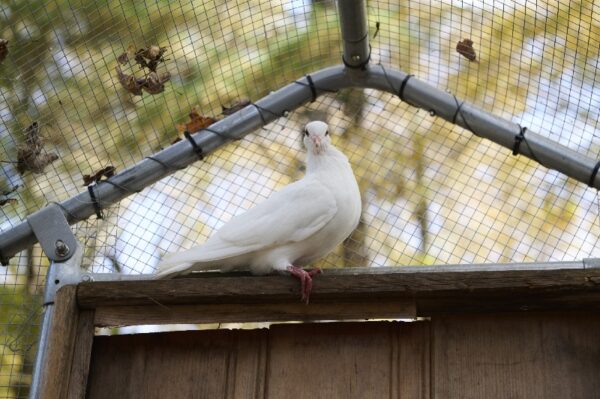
column 432, row 193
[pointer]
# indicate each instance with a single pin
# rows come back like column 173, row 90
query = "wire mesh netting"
column 91, row 88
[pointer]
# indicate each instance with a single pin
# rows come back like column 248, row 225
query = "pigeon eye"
column 306, row 133
column 327, row 133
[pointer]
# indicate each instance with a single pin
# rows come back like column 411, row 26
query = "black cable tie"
column 362, row 39
column 3, row 259
column 594, row 173
column 402, row 86
column 518, row 139
column 195, row 146
column 362, row 65
column 458, row 109
column 95, row 203
column 313, row 89
column 262, row 117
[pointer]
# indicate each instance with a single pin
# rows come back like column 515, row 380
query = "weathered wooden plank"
column 82, row 352
column 543, row 355
column 248, row 365
column 226, row 313
column 433, row 290
column 187, row 364
column 60, row 347
column 413, row 361
column 337, row 360
column 315, row 360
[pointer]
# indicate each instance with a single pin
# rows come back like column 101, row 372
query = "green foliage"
column 19, row 329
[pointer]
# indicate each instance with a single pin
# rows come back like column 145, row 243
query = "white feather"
column 296, row 225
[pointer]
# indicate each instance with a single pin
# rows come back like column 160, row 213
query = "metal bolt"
column 286, row 113
column 355, row 58
column 61, row 249
column 86, row 278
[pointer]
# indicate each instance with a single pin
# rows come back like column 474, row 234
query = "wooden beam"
column 228, row 313
column 80, row 365
column 57, row 366
column 433, row 289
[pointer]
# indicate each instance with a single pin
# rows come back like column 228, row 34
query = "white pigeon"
column 296, row 225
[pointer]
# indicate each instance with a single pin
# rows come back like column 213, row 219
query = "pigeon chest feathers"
column 335, row 174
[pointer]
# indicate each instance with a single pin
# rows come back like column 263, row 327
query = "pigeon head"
column 316, row 137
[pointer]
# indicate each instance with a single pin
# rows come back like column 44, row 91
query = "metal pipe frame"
column 355, row 33
column 355, row 73
column 277, row 104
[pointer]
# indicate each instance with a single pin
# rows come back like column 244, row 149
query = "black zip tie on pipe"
column 95, row 203
column 3, row 260
column 262, row 117
column 403, row 86
column 593, row 175
column 518, row 139
column 311, row 85
column 387, row 78
column 195, row 146
column 459, row 111
column 260, row 112
column 313, row 90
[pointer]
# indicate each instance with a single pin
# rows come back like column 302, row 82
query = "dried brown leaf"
column 5, row 201
column 465, row 48
column 236, row 106
column 197, row 122
column 150, row 57
column 29, row 153
column 123, row 59
column 130, row 82
column 154, row 83
column 97, row 176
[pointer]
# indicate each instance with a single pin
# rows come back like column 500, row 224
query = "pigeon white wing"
column 292, row 214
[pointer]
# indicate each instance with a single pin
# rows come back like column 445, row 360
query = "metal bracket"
column 53, row 232
column 63, row 273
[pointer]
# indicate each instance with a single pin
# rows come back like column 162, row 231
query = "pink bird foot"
column 305, row 280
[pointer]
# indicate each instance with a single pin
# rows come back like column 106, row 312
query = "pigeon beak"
column 317, row 143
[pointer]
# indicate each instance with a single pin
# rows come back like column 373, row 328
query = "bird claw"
column 305, row 280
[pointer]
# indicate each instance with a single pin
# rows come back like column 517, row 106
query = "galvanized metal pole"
column 355, row 33
column 416, row 92
column 40, row 356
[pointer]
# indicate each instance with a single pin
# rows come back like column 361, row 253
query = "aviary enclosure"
column 471, row 127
